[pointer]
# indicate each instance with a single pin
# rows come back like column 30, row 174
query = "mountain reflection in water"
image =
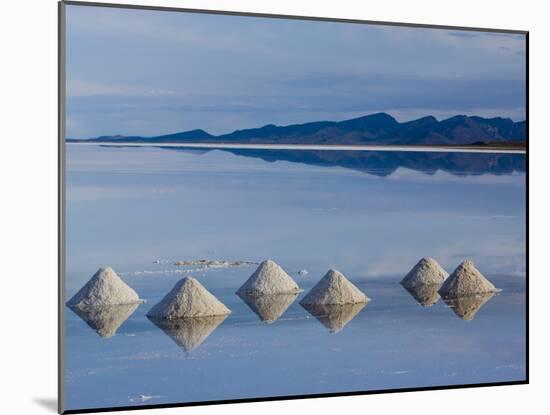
column 384, row 163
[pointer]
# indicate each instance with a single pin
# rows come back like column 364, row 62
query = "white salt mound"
column 104, row 288
column 188, row 298
column 466, row 280
column 334, row 288
column 426, row 272
column 269, row 278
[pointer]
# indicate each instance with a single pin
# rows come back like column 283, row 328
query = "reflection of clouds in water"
column 175, row 161
column 403, row 166
column 147, row 356
column 456, row 344
column 364, row 211
column 84, row 193
column 84, row 372
column 488, row 217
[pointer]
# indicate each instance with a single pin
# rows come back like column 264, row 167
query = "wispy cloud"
column 83, row 88
column 144, row 72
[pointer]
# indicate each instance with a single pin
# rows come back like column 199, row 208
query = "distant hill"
column 376, row 129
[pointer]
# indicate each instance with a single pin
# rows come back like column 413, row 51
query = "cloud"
column 83, row 88
column 489, row 42
column 354, row 91
column 98, row 109
column 143, row 72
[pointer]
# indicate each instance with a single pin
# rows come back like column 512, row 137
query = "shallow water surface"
column 370, row 215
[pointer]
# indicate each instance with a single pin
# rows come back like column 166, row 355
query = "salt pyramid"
column 269, row 307
column 466, row 307
column 269, row 278
column 466, row 280
column 106, row 319
column 334, row 288
column 426, row 295
column 189, row 333
column 188, row 298
column 334, row 316
column 426, row 272
column 104, row 288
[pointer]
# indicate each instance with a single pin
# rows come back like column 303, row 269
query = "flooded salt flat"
column 140, row 210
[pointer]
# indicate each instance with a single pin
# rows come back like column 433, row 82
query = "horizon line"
column 315, row 147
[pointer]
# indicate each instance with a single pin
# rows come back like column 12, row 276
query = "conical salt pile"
column 466, row 280
column 104, row 288
column 269, row 278
column 105, row 319
column 334, row 288
column 466, row 307
column 189, row 333
column 426, row 272
column 269, row 307
column 188, row 298
column 334, row 316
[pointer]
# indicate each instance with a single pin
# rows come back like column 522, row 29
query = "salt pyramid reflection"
column 105, row 319
column 425, row 295
column 466, row 307
column 189, row 332
column 334, row 316
column 268, row 307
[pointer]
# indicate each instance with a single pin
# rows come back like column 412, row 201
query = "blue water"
column 371, row 217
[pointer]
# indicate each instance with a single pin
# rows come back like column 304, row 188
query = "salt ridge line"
column 427, row 149
column 201, row 271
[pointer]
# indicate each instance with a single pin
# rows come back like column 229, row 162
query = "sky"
column 142, row 72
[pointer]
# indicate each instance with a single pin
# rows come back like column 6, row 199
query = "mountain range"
column 375, row 129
